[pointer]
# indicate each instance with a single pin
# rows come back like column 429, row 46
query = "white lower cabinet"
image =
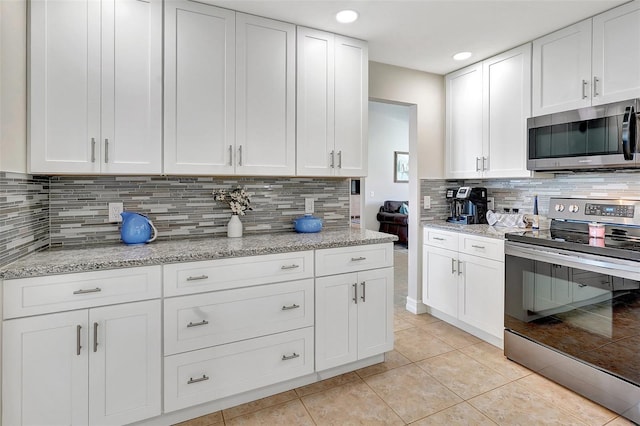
column 465, row 280
column 98, row 366
column 354, row 311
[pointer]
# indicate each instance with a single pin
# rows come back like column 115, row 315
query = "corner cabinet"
column 593, row 62
column 354, row 304
column 332, row 104
column 95, row 96
column 487, row 107
column 463, row 280
column 99, row 365
column 229, row 92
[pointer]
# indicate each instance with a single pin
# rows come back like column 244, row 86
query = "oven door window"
column 588, row 315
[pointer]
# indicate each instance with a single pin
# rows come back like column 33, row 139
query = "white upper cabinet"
column 332, row 104
column 229, row 92
column 593, row 62
column 616, row 54
column 487, row 107
column 199, row 103
column 265, row 97
column 95, row 86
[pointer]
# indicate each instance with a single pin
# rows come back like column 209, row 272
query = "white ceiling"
column 424, row 34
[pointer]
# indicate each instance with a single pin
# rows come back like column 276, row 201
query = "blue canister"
column 307, row 224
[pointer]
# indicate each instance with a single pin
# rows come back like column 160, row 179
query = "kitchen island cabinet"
column 95, row 98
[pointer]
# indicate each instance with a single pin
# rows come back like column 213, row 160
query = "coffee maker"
column 467, row 205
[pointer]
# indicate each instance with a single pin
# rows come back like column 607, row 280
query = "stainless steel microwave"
column 598, row 137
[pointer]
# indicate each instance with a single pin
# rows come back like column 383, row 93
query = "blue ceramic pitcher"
column 136, row 229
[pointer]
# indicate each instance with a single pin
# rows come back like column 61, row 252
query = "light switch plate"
column 308, row 205
column 427, row 202
column 114, row 212
column 490, row 203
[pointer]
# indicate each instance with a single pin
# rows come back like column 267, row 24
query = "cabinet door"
column 616, row 54
column 507, row 105
column 464, row 156
column 64, row 94
column 131, row 140
column 336, row 320
column 440, row 279
column 125, row 368
column 562, row 70
column 44, row 366
column 351, row 106
column 265, row 98
column 315, row 103
column 481, row 294
column 375, row 312
column 199, row 98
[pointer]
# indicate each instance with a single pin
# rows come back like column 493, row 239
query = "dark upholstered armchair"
column 394, row 220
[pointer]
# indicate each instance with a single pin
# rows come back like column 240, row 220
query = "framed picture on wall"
column 401, row 166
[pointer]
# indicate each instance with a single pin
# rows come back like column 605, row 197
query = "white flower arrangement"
column 237, row 199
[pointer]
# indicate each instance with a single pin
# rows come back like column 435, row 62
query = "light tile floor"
column 436, row 375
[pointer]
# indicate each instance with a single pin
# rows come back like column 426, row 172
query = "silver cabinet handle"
column 199, row 277
column 230, row 155
column 288, row 308
column 285, row 267
column 453, row 266
column 287, row 358
column 106, row 150
column 357, row 259
column 240, row 155
column 199, row 379
column 595, row 86
column 364, row 289
column 477, row 162
column 484, row 163
column 332, row 155
column 91, row 290
column 459, row 268
column 95, row 337
column 584, row 89
column 438, row 239
column 478, row 247
column 197, row 324
column 339, row 159
column 93, row 150
column 355, row 292
column 78, row 347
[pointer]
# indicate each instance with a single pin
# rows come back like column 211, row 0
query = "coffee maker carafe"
column 467, row 205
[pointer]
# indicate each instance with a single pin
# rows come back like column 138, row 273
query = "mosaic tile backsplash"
column 24, row 215
column 182, row 207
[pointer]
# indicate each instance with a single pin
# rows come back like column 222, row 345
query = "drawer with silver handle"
column 439, row 238
column 490, row 248
column 215, row 318
column 235, row 272
column 55, row 293
column 208, row 374
column 351, row 259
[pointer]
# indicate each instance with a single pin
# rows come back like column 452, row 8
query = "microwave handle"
column 629, row 124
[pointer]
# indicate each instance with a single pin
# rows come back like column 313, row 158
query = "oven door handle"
column 611, row 266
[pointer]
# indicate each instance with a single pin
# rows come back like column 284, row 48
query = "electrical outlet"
column 427, row 202
column 308, row 205
column 490, row 203
column 114, row 212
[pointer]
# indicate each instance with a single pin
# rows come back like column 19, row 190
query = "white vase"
column 234, row 227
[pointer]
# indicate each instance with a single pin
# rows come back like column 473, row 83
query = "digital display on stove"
column 609, row 210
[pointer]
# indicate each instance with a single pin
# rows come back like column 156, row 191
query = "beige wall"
column 427, row 92
column 13, row 85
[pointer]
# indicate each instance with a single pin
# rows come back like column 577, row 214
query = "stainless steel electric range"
column 572, row 301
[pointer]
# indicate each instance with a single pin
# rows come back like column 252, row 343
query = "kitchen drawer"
column 210, row 319
column 351, row 259
column 208, row 374
column 443, row 239
column 54, row 293
column 489, row 248
column 222, row 274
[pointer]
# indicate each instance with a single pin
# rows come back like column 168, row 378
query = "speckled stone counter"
column 61, row 261
column 481, row 230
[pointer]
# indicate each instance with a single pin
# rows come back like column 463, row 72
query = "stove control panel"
column 613, row 211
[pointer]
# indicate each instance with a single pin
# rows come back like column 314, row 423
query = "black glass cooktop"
column 622, row 242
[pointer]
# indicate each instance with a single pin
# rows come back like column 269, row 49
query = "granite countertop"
column 480, row 230
column 61, row 261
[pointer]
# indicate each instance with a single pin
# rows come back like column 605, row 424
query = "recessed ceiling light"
column 346, row 16
column 461, row 56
